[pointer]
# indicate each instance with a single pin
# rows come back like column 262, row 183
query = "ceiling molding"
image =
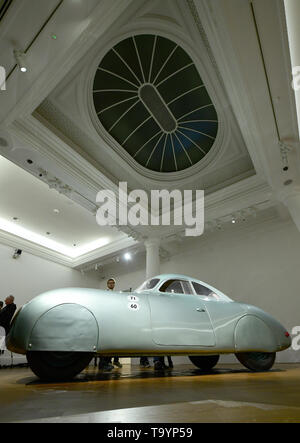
column 228, row 133
column 33, row 248
column 74, row 40
column 87, row 180
column 230, row 29
column 112, row 248
column 78, row 84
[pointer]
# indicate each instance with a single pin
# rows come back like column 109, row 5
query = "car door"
column 179, row 318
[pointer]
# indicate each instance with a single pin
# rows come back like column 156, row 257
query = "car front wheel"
column 56, row 366
column 257, row 361
column 204, row 362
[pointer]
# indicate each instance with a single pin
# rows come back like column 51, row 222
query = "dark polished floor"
column 230, row 393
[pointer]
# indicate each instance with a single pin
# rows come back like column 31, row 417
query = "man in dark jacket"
column 6, row 313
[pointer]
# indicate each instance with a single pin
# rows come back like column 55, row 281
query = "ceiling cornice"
column 267, row 102
column 48, row 254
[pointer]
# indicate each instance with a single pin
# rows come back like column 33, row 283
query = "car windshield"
column 148, row 284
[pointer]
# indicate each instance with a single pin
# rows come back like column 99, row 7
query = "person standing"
column 6, row 313
column 159, row 363
column 105, row 362
column 1, row 305
column 111, row 283
column 144, row 362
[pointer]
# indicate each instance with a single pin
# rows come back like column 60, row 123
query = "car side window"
column 187, row 287
column 202, row 290
column 172, row 286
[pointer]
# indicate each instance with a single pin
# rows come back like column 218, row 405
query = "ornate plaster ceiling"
column 150, row 97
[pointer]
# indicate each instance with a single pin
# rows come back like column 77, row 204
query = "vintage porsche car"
column 61, row 330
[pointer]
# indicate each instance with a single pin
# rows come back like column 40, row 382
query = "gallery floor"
column 228, row 394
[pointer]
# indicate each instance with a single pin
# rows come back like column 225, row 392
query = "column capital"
column 152, row 241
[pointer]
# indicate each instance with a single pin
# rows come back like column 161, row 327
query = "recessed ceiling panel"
column 149, row 96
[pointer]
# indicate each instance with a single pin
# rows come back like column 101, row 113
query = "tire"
column 257, row 361
column 57, row 366
column 204, row 362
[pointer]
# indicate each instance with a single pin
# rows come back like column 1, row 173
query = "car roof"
column 163, row 277
column 176, row 277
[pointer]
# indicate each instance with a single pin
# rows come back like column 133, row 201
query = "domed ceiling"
column 150, row 98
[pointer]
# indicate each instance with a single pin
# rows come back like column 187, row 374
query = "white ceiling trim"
column 30, row 247
column 231, row 28
column 87, row 180
column 74, row 42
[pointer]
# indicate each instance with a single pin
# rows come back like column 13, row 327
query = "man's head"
column 111, row 282
column 9, row 300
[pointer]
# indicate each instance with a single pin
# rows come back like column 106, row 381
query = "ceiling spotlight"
column 16, row 219
column 117, row 259
column 233, row 219
column 56, row 211
column 127, row 256
column 20, row 59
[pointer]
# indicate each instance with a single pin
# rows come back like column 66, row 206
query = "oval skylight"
column 150, row 97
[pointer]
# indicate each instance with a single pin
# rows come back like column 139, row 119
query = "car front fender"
column 65, row 327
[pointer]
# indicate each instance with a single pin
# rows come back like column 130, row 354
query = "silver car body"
column 144, row 322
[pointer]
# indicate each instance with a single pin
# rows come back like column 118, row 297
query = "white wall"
column 30, row 275
column 257, row 264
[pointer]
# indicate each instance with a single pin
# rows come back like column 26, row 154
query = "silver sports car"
column 61, row 330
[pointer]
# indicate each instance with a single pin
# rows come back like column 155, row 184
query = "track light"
column 127, row 256
column 20, row 59
column 17, row 253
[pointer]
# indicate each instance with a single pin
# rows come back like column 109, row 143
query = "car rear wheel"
column 204, row 362
column 257, row 361
column 56, row 366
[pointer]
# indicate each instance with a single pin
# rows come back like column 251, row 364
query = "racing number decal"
column 133, row 298
column 133, row 306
